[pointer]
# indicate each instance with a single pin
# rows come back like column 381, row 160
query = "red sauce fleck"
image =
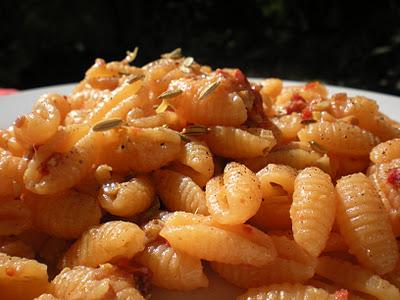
column 306, row 114
column 342, row 294
column 11, row 272
column 394, row 177
column 297, row 104
column 311, row 85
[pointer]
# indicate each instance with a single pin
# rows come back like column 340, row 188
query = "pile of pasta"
column 144, row 175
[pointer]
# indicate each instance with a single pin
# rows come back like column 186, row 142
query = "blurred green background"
column 351, row 43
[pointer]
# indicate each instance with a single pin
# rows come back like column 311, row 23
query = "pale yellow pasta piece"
column 76, row 116
column 128, row 198
column 234, row 197
column 197, row 156
column 286, row 291
column 238, row 143
column 87, row 98
column 389, row 194
column 104, row 282
column 275, row 178
column 385, row 152
column 339, row 138
column 313, row 209
column 110, row 101
column 21, row 278
column 365, row 112
column 288, row 126
column 278, row 271
column 49, row 173
column 356, row 278
column 223, row 106
column 200, row 237
column 364, row 224
column 152, row 148
column 104, row 243
column 172, row 269
column 295, row 158
column 273, row 214
column 12, row 169
column 271, row 87
column 179, row 192
column 152, row 230
column 66, row 215
column 15, row 216
column 42, row 123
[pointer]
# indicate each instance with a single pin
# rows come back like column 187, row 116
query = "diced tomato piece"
column 297, row 104
column 239, row 76
column 394, row 177
column 311, row 85
column 306, row 114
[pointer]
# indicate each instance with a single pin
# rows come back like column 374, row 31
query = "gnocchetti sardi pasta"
column 158, row 175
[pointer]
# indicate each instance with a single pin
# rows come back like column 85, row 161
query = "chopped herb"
column 134, row 77
column 130, row 56
column 308, row 121
column 209, row 89
column 195, row 130
column 170, row 94
column 174, row 54
column 107, row 124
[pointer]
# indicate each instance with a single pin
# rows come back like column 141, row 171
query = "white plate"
column 13, row 105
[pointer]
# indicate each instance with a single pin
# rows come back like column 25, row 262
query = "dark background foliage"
column 349, row 43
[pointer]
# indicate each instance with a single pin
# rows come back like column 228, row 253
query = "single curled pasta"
column 128, row 198
column 179, row 192
column 188, row 232
column 288, row 126
column 152, row 148
column 103, row 243
column 286, row 291
column 313, row 209
column 234, row 197
column 385, row 152
column 339, row 138
column 356, row 278
column 104, row 282
column 172, row 269
column 275, row 179
column 197, row 156
column 224, row 106
column 40, row 125
column 388, row 192
column 66, row 215
column 238, row 143
column 365, row 225
column 21, row 278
